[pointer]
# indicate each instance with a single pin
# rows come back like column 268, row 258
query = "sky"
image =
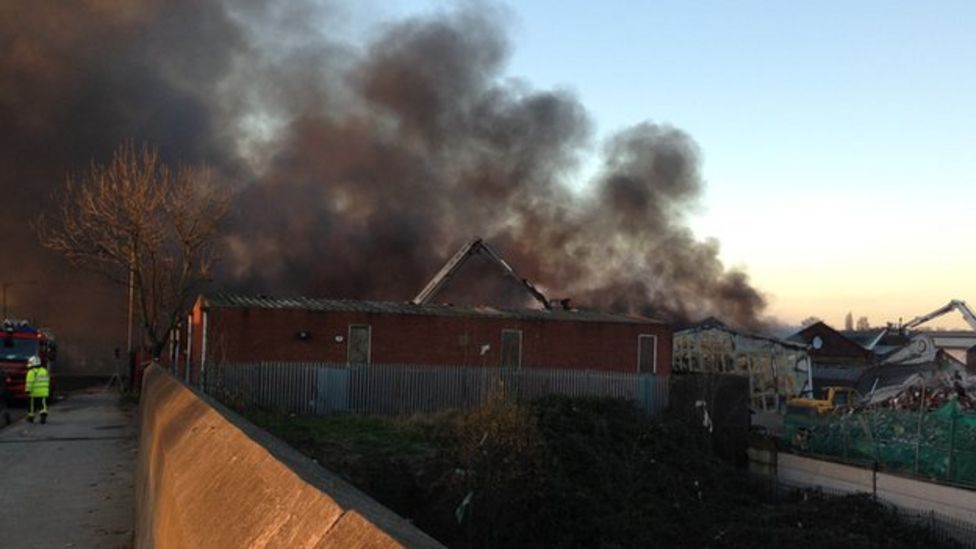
column 836, row 137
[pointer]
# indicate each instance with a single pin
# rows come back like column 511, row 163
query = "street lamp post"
column 7, row 284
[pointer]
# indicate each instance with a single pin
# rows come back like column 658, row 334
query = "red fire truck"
column 19, row 342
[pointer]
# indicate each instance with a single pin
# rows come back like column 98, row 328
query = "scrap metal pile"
column 927, row 390
column 925, row 425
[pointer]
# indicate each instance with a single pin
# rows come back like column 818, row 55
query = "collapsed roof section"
column 476, row 247
column 712, row 323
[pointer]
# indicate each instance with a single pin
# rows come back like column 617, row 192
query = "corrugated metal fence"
column 396, row 389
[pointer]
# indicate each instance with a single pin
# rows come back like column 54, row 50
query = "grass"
column 340, row 438
column 395, row 461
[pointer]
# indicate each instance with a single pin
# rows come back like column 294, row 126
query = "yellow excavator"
column 834, row 399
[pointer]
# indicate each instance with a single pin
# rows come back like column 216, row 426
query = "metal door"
column 647, row 354
column 358, row 350
column 511, row 348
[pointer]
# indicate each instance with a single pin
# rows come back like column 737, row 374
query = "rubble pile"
column 928, row 391
column 924, row 426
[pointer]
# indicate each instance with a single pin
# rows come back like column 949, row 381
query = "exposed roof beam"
column 474, row 247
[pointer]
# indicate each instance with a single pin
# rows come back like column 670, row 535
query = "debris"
column 706, row 419
column 929, row 391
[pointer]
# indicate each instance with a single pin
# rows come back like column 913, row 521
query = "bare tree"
column 849, row 321
column 809, row 321
column 138, row 215
column 863, row 324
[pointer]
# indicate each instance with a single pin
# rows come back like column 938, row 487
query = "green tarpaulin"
column 940, row 444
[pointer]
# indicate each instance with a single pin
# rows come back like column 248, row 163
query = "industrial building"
column 540, row 334
column 233, row 328
column 777, row 369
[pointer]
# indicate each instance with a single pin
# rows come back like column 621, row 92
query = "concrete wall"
column 906, row 493
column 206, row 478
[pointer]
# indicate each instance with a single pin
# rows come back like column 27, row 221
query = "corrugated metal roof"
column 948, row 333
column 886, row 376
column 406, row 308
column 957, row 340
column 864, row 379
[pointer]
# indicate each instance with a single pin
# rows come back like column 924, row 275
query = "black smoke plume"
column 361, row 164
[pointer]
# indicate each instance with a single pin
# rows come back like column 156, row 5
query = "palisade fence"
column 316, row 388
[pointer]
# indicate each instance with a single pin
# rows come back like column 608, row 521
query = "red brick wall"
column 238, row 334
column 835, row 345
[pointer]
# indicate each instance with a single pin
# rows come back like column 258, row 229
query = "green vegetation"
column 567, row 472
column 345, row 439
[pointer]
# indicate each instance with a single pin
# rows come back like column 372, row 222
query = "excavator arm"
column 967, row 313
column 956, row 304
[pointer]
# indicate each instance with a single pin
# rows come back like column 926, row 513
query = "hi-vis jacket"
column 38, row 382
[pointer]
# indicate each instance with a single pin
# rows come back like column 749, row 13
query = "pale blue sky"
column 837, row 137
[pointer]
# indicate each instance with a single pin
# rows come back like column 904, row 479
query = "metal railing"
column 944, row 528
column 398, row 389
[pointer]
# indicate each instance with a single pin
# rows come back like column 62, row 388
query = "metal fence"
column 945, row 529
column 398, row 389
column 939, row 444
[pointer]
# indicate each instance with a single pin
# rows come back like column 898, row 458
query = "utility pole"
column 117, row 378
column 7, row 284
column 128, row 322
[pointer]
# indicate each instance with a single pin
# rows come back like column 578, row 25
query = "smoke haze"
column 360, row 165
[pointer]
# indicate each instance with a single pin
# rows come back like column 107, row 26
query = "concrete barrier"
column 207, row 478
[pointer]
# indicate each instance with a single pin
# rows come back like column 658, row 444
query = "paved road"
column 16, row 412
column 69, row 483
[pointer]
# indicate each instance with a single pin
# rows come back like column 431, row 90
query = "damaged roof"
column 397, row 308
column 477, row 246
column 712, row 323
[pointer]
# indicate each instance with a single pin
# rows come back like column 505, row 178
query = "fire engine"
column 20, row 341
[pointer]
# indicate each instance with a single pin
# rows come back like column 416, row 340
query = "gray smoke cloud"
column 76, row 79
column 361, row 164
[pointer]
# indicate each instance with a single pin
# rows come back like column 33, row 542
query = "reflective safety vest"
column 38, row 382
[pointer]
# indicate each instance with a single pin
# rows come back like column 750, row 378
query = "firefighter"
column 38, row 383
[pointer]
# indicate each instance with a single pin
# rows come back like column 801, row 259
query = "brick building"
column 828, row 345
column 233, row 328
